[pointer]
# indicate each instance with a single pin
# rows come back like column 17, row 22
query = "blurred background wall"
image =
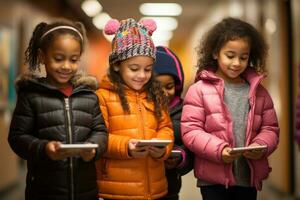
column 277, row 20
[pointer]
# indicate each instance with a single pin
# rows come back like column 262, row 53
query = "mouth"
column 64, row 75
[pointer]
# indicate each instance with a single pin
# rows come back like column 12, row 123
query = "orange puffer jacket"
column 119, row 175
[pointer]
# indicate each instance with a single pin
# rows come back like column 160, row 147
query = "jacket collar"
column 249, row 75
column 29, row 80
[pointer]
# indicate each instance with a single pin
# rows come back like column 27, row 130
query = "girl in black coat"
column 59, row 108
column 169, row 73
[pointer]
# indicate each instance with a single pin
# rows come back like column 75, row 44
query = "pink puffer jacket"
column 206, row 128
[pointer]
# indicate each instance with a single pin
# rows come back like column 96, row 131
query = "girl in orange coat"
column 134, row 107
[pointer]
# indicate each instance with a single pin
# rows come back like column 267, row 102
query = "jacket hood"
column 78, row 80
column 167, row 63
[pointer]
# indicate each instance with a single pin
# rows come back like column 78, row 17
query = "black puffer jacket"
column 43, row 114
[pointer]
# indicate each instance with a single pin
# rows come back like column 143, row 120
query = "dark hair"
column 38, row 42
column 232, row 29
column 153, row 89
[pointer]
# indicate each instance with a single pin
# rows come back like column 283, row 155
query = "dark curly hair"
column 153, row 89
column 37, row 42
column 232, row 29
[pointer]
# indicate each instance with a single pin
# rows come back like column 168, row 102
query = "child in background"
column 228, row 107
column 134, row 107
column 169, row 73
column 59, row 108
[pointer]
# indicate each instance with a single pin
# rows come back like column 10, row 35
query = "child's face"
column 233, row 59
column 61, row 60
column 168, row 85
column 135, row 71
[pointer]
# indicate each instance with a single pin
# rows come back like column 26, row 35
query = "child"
column 228, row 107
column 134, row 107
column 169, row 73
column 60, row 108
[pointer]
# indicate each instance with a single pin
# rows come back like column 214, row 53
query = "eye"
column 58, row 58
column 230, row 56
column 134, row 69
column 148, row 69
column 244, row 58
column 74, row 59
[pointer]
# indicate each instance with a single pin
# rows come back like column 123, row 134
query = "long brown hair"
column 153, row 89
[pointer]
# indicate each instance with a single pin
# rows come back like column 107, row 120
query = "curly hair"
column 227, row 30
column 153, row 89
column 40, row 41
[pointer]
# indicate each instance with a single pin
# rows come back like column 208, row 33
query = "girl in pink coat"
column 228, row 107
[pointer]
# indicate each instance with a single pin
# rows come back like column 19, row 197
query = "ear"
column 41, row 56
column 116, row 68
column 215, row 56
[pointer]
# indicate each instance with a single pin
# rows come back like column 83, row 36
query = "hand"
column 228, row 157
column 137, row 152
column 87, row 154
column 156, row 152
column 171, row 163
column 254, row 154
column 54, row 151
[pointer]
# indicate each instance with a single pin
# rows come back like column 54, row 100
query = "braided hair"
column 40, row 40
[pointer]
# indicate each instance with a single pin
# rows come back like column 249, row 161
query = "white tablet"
column 175, row 154
column 78, row 146
column 243, row 149
column 156, row 143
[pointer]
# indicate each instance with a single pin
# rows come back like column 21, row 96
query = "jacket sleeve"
column 186, row 164
column 21, row 133
column 165, row 131
column 194, row 136
column 99, row 131
column 117, row 146
column 269, row 130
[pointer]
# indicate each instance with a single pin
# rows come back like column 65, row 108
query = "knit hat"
column 167, row 63
column 131, row 38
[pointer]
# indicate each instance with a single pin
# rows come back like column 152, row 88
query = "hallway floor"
column 189, row 191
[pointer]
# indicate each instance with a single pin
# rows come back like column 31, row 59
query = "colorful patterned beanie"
column 131, row 39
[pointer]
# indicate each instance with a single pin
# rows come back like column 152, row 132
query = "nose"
column 66, row 65
column 236, row 62
column 142, row 74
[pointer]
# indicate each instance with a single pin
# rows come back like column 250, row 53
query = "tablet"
column 156, row 143
column 243, row 149
column 175, row 154
column 78, row 146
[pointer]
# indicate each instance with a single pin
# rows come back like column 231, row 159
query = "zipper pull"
column 67, row 103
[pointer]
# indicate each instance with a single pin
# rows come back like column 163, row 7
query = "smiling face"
column 168, row 85
column 136, row 71
column 233, row 60
column 61, row 60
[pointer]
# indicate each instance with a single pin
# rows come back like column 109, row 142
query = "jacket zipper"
column 67, row 106
column 142, row 128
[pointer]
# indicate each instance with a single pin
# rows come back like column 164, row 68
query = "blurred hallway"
column 277, row 20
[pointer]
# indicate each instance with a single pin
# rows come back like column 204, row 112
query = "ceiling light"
column 161, row 43
column 100, row 20
column 162, row 35
column 91, row 7
column 160, row 9
column 164, row 23
column 270, row 26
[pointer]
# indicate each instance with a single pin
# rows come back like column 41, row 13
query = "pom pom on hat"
column 150, row 24
column 111, row 27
